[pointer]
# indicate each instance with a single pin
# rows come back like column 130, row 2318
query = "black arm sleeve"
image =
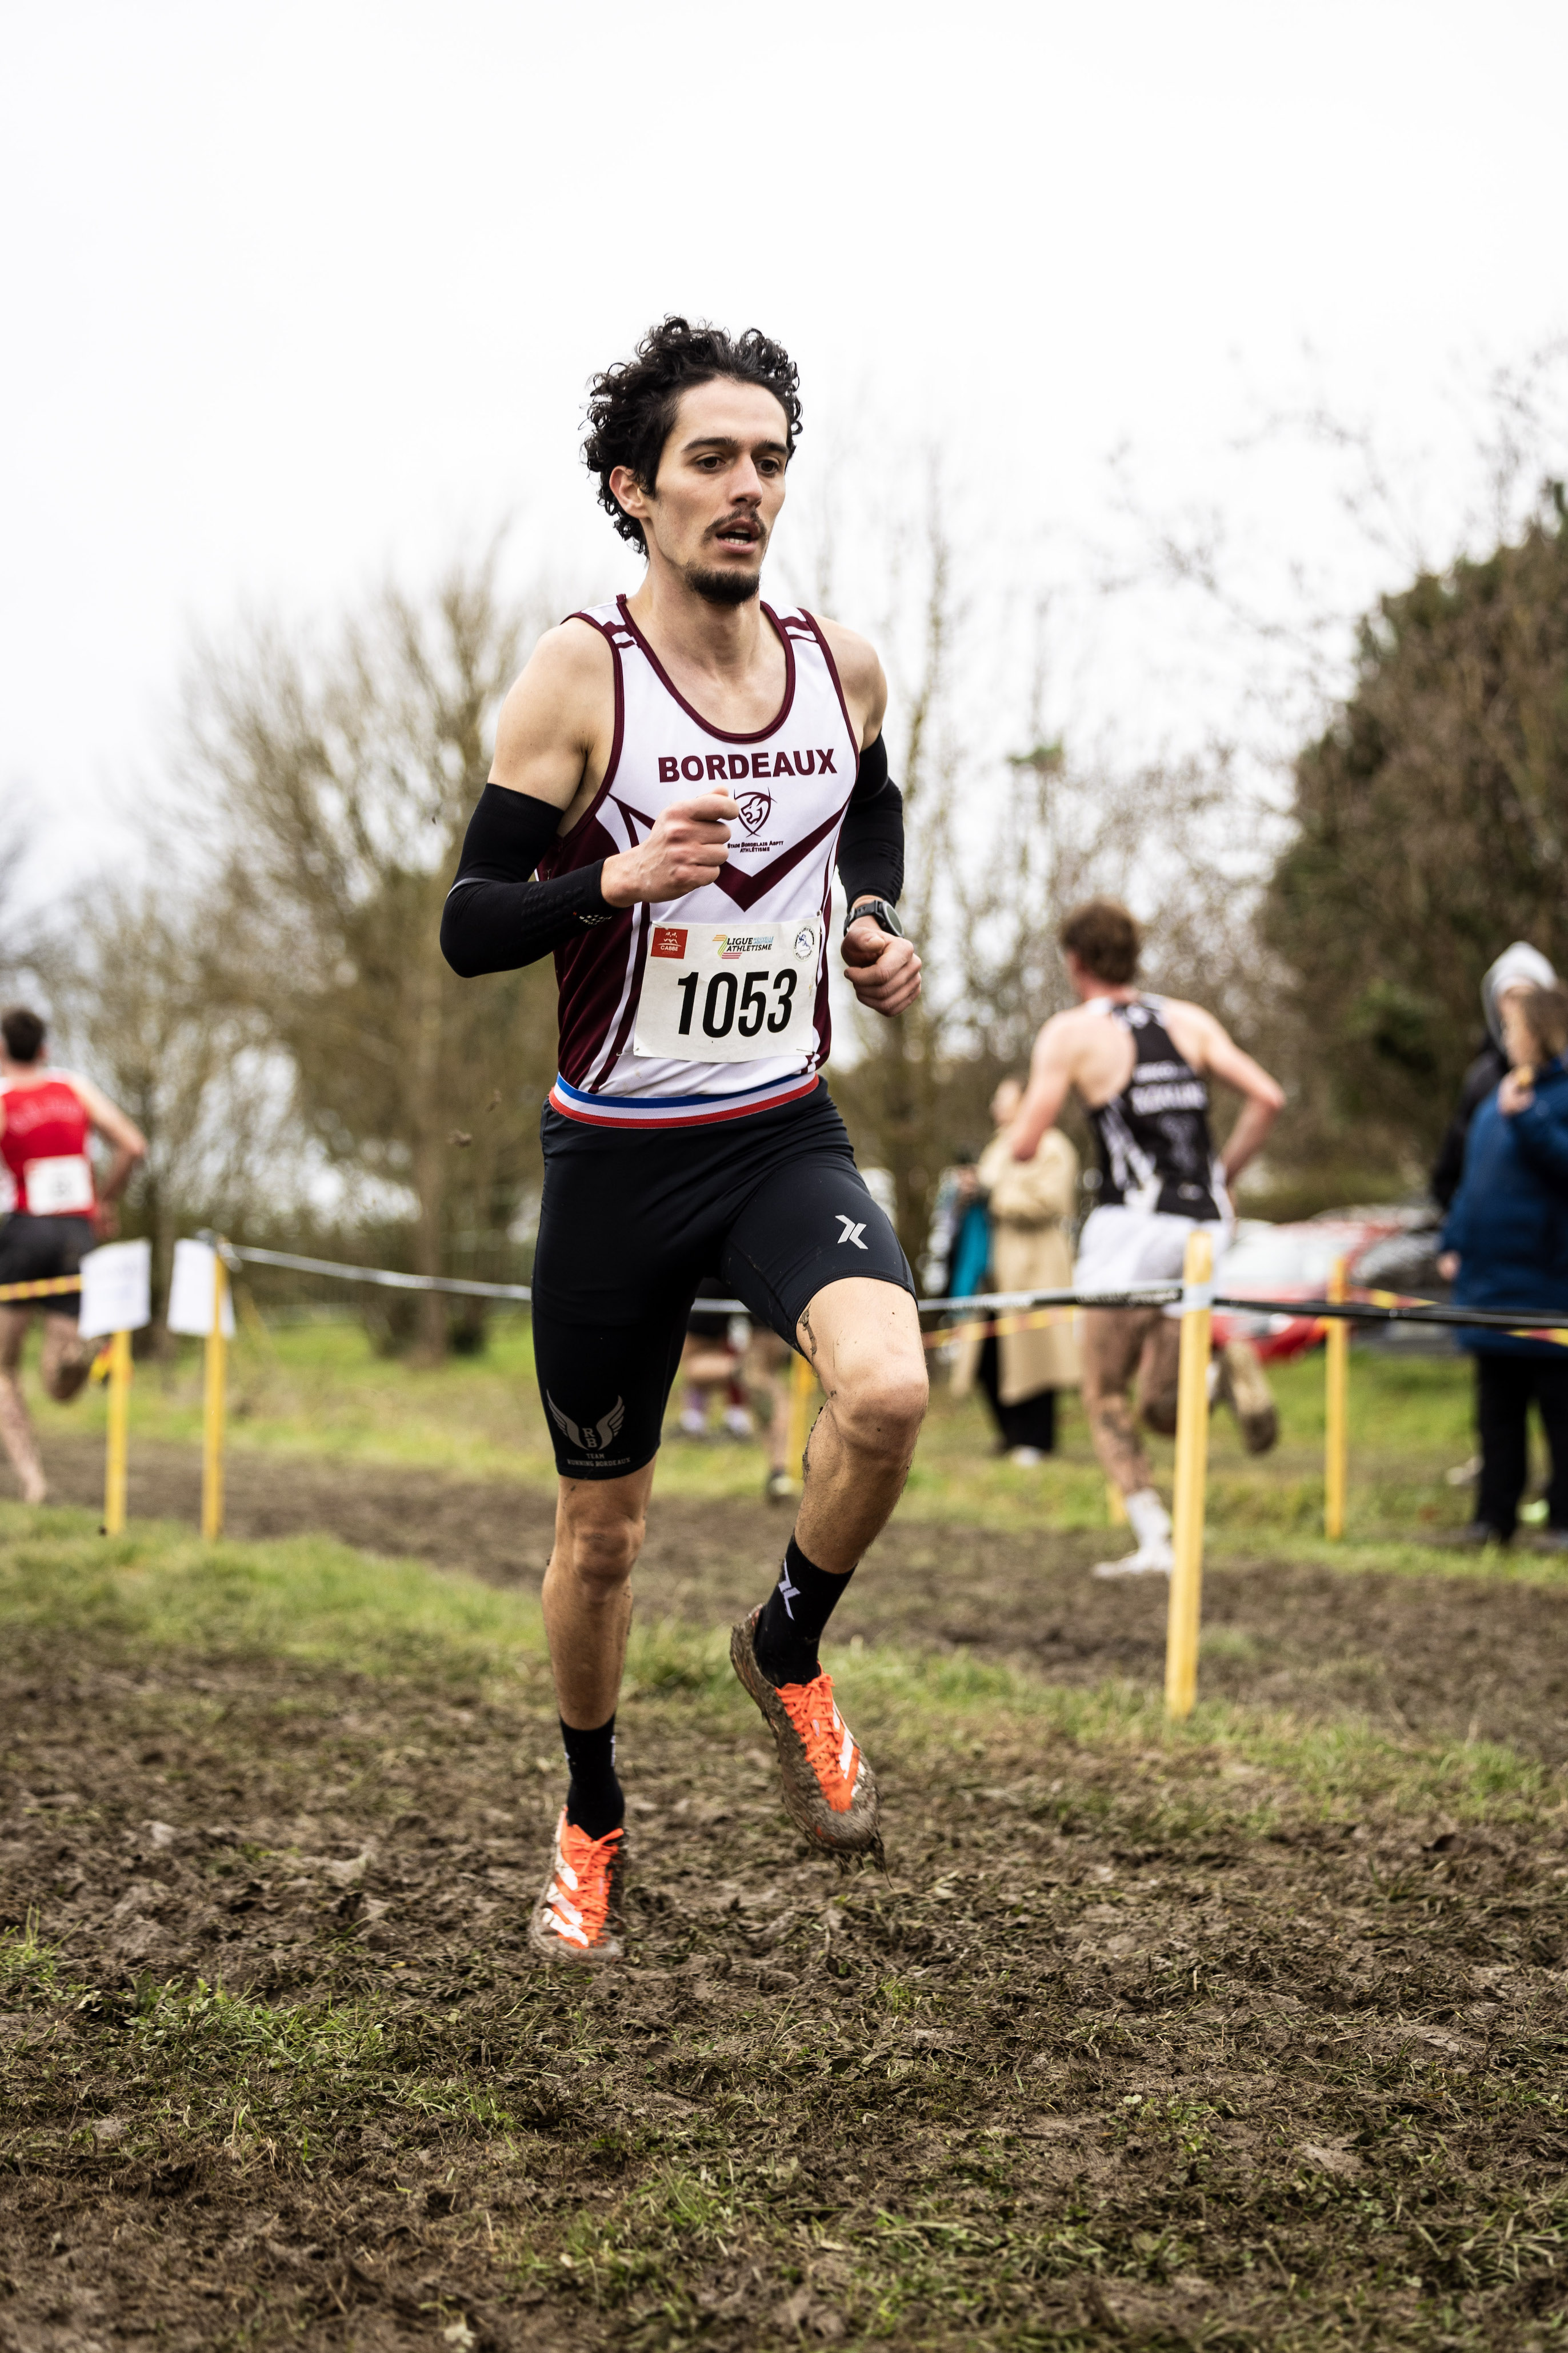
column 871, row 843
column 497, row 918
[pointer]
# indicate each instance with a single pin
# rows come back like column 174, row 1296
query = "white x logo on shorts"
column 851, row 1232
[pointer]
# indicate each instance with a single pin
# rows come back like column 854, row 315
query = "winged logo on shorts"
column 595, row 1439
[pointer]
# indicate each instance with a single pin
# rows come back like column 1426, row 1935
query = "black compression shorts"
column 773, row 1204
column 703, row 1323
column 36, row 1249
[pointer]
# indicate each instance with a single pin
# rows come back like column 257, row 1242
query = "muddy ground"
column 1124, row 2049
column 1443, row 1658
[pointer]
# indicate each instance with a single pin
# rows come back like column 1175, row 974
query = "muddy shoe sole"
column 547, row 1946
column 856, row 1830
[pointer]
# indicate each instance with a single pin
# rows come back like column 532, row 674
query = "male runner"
column 1140, row 1066
column 55, row 1217
column 682, row 769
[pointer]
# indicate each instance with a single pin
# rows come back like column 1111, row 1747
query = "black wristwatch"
column 881, row 913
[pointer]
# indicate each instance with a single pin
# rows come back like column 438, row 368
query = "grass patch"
column 319, row 1390
column 161, row 1592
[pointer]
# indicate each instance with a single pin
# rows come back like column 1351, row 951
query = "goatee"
column 725, row 587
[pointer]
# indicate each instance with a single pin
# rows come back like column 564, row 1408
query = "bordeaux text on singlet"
column 715, row 1003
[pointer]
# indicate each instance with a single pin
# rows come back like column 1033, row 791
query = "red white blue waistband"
column 676, row 1111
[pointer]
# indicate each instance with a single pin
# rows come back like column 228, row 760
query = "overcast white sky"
column 292, row 293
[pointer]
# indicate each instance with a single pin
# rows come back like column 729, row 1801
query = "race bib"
column 60, row 1188
column 745, row 995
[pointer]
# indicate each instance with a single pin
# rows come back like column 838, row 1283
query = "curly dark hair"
column 632, row 406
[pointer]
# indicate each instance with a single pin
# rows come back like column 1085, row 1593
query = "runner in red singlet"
column 54, row 1214
column 684, row 769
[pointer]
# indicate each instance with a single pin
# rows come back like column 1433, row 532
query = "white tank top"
column 739, row 967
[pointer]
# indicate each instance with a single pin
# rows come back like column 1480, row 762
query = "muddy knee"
column 1159, row 1413
column 880, row 1414
column 66, row 1369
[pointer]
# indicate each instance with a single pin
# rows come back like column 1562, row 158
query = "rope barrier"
column 1377, row 1307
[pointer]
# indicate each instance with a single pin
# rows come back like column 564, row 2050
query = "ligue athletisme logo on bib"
column 729, row 996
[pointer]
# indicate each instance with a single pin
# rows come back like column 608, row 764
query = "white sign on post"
column 192, row 1290
column 116, row 1288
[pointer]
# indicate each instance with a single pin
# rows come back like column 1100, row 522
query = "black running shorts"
column 631, row 1220
column 36, row 1249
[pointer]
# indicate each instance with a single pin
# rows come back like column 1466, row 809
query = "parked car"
column 1294, row 1262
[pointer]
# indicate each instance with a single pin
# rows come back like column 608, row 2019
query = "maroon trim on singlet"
column 833, row 673
column 634, row 993
column 589, row 970
column 746, row 888
column 723, row 734
column 592, row 810
column 822, row 1011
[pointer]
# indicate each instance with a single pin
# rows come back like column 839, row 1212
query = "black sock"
column 594, row 1802
column 793, row 1617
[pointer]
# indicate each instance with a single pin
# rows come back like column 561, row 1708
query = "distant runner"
column 1140, row 1066
column 55, row 1214
column 683, row 769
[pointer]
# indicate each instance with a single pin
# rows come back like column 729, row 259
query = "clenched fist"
column 883, row 973
column 688, row 845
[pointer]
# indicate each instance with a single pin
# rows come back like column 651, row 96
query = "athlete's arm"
column 1263, row 1098
column 1050, row 1076
column 552, row 747
column 129, row 1144
column 883, row 973
column 871, row 840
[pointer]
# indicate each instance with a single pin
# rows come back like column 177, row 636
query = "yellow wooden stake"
column 1116, row 1504
column 1336, row 1405
column 802, row 1381
column 118, row 1432
column 213, row 1406
column 1192, row 1475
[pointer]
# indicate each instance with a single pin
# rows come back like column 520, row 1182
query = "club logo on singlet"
column 712, row 1003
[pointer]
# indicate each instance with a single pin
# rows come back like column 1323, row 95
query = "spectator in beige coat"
column 1030, row 1202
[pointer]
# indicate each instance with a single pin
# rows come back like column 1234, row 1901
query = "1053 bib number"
column 743, row 995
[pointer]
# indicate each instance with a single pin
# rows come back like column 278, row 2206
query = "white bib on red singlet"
column 715, row 1003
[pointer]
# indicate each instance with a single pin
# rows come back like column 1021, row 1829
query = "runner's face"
column 720, row 487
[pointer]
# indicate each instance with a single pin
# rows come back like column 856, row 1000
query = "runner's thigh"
column 1113, row 1342
column 810, row 1222
column 604, row 1387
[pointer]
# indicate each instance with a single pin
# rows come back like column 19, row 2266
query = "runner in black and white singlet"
column 678, row 774
column 1140, row 1066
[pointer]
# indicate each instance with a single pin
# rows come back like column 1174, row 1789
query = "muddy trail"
column 1440, row 1658
column 1126, row 2048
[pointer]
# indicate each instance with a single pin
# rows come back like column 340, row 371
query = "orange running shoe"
column 579, row 1910
column 830, row 1790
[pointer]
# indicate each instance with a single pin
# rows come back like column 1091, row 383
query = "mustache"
column 741, row 521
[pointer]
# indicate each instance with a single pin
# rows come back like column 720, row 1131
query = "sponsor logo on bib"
column 668, row 941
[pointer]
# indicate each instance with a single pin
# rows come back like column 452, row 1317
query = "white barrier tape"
column 1525, row 1322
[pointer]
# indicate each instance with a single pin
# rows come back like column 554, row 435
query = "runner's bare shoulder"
column 558, row 710
column 860, row 674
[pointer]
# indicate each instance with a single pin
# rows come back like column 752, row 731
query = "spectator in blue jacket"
column 1506, row 1246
